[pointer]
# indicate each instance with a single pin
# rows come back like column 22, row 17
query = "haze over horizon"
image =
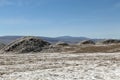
column 53, row 18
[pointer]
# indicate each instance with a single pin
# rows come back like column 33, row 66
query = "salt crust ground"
column 64, row 66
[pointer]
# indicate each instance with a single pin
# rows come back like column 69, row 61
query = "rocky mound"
column 110, row 41
column 26, row 44
column 86, row 42
column 62, row 44
column 2, row 45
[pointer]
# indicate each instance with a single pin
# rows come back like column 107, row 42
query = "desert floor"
column 60, row 66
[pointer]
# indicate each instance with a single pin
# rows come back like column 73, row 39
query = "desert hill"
column 67, row 39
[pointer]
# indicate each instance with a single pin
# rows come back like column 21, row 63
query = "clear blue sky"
column 89, row 18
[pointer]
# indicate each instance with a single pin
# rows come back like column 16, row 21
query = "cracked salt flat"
column 84, row 70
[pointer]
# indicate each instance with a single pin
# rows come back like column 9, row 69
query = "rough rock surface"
column 2, row 45
column 110, row 41
column 86, row 42
column 26, row 44
column 62, row 44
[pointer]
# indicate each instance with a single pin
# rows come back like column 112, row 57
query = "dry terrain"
column 104, row 48
column 60, row 66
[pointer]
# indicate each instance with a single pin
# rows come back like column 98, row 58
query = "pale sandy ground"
column 60, row 66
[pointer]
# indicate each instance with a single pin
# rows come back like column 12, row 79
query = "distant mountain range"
column 68, row 39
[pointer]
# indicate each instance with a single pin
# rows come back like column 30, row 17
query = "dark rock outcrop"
column 26, row 45
column 62, row 44
column 87, row 42
column 2, row 45
column 111, row 41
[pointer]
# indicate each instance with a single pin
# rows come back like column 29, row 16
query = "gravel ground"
column 60, row 66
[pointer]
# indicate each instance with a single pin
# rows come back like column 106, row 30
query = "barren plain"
column 60, row 66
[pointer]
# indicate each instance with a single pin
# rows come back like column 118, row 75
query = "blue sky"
column 89, row 18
